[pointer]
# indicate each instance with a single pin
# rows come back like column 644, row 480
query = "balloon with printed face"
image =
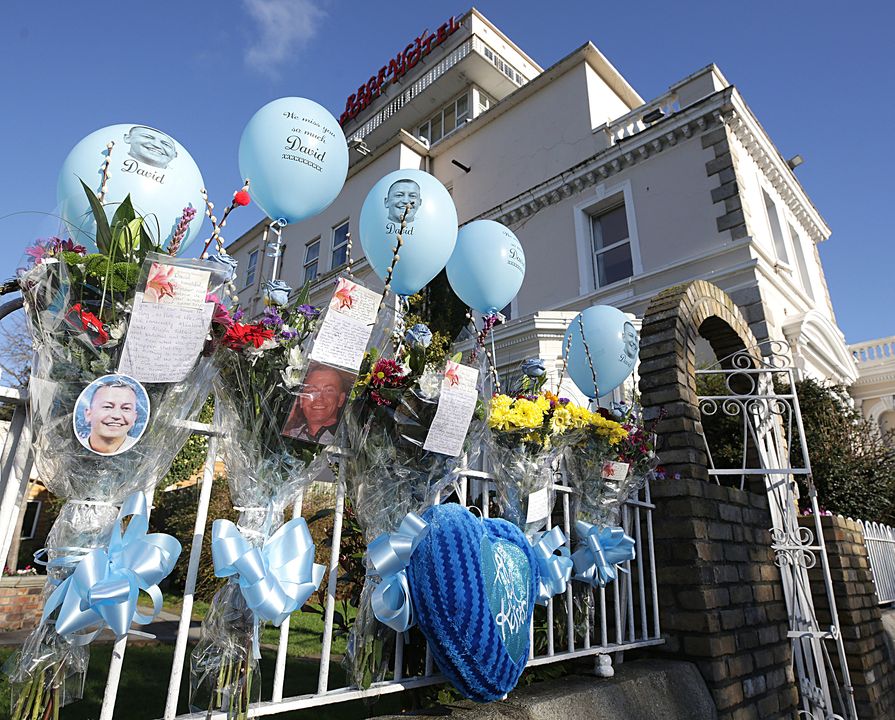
column 294, row 154
column 612, row 343
column 487, row 266
column 430, row 233
column 149, row 165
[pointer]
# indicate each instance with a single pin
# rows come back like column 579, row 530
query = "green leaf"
column 417, row 359
column 103, row 233
column 457, row 357
column 72, row 258
column 124, row 213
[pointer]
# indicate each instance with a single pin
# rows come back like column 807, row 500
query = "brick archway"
column 674, row 319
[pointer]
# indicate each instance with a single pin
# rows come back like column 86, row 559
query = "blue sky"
column 818, row 76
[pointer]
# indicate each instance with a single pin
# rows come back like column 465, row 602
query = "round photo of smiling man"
column 111, row 414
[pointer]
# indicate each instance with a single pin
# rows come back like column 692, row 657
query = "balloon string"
column 395, row 257
column 565, row 362
column 215, row 226
column 593, row 371
column 104, row 184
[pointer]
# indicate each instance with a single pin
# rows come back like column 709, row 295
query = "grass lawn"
column 144, row 685
column 147, row 666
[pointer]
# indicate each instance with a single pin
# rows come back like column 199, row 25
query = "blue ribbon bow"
column 389, row 556
column 103, row 589
column 603, row 549
column 275, row 580
column 555, row 570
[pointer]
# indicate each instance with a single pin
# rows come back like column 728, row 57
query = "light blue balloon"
column 149, row 165
column 294, row 154
column 487, row 266
column 613, row 343
column 428, row 239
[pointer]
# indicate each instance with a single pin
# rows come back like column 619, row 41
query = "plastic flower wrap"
column 607, row 462
column 529, row 427
column 260, row 384
column 390, row 471
column 99, row 436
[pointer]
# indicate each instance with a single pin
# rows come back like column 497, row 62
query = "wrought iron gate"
column 754, row 389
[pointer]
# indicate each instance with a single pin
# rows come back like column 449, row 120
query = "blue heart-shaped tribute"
column 474, row 583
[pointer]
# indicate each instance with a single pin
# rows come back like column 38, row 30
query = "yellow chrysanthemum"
column 561, row 420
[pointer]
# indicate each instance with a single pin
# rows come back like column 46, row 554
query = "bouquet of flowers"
column 608, row 462
column 529, row 429
column 261, row 386
column 99, row 435
column 393, row 468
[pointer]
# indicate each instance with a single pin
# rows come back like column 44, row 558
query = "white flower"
column 253, row 353
column 294, row 371
column 430, row 383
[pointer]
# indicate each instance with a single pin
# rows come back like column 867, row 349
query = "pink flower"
column 451, row 374
column 343, row 294
column 160, row 283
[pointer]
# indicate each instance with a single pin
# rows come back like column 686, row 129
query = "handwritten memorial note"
column 456, row 404
column 163, row 340
column 172, row 285
column 343, row 335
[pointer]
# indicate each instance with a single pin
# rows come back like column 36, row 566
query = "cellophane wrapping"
column 389, row 473
column 265, row 472
column 48, row 671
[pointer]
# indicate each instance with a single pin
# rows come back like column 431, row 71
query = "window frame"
column 334, row 248
column 315, row 261
column 775, row 228
column 252, row 269
column 603, row 199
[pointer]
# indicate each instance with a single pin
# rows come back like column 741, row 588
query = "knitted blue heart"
column 473, row 583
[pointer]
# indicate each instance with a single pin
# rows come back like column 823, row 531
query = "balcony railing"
column 641, row 118
column 439, row 69
column 874, row 352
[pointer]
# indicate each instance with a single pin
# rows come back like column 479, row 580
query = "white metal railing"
column 880, row 542
column 437, row 70
column 623, row 616
column 642, row 117
column 874, row 351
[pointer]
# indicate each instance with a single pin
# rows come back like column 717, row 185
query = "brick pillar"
column 870, row 665
column 721, row 598
column 21, row 601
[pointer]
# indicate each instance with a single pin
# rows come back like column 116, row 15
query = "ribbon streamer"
column 555, row 570
column 603, row 549
column 275, row 580
column 389, row 556
column 103, row 589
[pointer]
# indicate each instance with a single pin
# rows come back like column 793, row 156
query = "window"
column 800, row 261
column 484, row 102
column 29, row 522
column 312, row 256
column 449, row 118
column 340, row 245
column 252, row 268
column 611, row 246
column 776, row 231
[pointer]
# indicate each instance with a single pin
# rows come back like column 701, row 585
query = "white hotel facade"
column 613, row 198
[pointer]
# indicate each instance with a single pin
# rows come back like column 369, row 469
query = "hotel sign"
column 400, row 64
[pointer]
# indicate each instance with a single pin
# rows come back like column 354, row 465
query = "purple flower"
column 272, row 317
column 237, row 316
column 288, row 334
column 309, row 311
